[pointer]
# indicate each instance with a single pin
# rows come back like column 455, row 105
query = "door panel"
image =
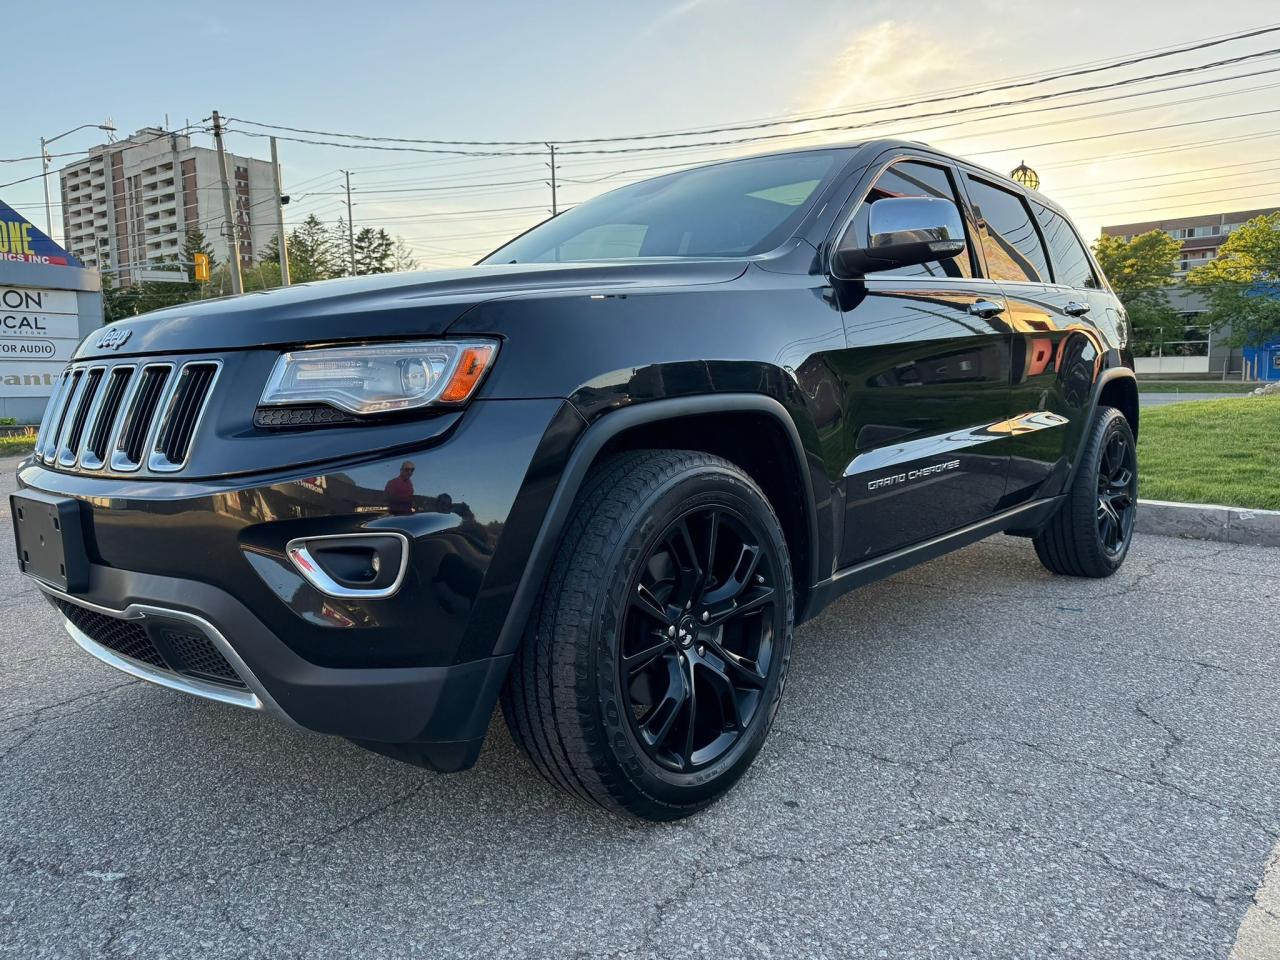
column 927, row 390
column 1055, row 359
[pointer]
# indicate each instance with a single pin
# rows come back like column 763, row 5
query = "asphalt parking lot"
column 1149, row 399
column 973, row 759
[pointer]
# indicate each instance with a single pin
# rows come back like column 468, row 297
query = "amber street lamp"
column 1026, row 176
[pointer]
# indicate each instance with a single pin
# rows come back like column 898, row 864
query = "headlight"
column 381, row 377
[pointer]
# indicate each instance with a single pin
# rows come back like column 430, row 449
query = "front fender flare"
column 583, row 455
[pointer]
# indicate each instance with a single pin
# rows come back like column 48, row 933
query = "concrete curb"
column 1209, row 521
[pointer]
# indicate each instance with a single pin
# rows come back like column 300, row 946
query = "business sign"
column 39, row 330
column 22, row 242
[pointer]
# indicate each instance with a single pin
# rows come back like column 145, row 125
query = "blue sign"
column 22, row 242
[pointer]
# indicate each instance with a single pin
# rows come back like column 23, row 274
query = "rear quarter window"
column 1071, row 265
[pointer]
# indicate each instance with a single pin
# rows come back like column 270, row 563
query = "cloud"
column 671, row 14
column 888, row 60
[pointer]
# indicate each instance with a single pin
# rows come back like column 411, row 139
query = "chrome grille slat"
column 107, row 417
column 186, row 405
column 152, row 385
column 75, row 390
column 86, row 401
column 51, row 412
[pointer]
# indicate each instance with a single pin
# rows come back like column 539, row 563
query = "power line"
column 728, row 128
column 1178, row 196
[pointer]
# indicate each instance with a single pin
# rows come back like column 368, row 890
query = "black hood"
column 386, row 306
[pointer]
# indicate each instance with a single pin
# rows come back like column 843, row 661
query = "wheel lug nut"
column 671, row 631
column 705, row 616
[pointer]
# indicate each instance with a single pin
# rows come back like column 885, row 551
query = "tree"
column 311, row 252
column 270, row 252
column 1140, row 271
column 1243, row 282
column 194, row 243
column 373, row 251
column 402, row 257
column 341, row 249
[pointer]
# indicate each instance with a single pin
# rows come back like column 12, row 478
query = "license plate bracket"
column 49, row 533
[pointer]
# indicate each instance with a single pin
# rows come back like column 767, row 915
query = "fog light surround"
column 352, row 566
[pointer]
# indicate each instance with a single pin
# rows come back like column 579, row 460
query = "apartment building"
column 1198, row 350
column 129, row 205
column 1201, row 236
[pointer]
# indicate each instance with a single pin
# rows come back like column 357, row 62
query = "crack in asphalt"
column 36, row 714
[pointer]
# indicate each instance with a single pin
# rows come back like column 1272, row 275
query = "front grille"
column 125, row 637
column 122, row 417
column 185, row 651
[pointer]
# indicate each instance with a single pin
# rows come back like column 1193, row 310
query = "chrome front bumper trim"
column 254, row 698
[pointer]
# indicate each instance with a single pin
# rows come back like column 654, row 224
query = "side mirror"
column 904, row 231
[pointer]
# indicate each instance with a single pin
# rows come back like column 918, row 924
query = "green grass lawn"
column 1194, row 386
column 1212, row 451
column 16, row 446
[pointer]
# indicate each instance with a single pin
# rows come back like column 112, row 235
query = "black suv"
column 601, row 475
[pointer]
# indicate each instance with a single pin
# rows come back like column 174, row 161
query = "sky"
column 555, row 71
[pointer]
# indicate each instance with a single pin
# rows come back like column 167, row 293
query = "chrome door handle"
column 986, row 308
column 1075, row 308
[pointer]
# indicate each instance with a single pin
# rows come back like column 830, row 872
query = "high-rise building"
column 129, row 205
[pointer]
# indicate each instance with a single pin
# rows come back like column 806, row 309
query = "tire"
column 630, row 579
column 1084, row 538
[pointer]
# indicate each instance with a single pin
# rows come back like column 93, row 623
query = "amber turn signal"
column 475, row 360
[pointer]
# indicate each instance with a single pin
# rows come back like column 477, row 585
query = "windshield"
column 733, row 209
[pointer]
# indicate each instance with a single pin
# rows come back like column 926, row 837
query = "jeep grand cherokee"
column 598, row 477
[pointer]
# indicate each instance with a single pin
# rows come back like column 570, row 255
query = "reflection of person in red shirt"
column 399, row 490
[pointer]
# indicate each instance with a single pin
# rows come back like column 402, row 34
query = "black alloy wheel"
column 654, row 664
column 1092, row 530
column 698, row 638
column 1117, row 492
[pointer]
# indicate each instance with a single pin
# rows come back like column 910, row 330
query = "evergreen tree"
column 311, row 252
column 341, row 249
column 270, row 250
column 373, row 251
column 194, row 243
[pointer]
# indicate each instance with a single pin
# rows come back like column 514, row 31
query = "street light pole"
column 44, row 167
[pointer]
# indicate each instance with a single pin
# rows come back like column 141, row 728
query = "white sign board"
column 39, row 330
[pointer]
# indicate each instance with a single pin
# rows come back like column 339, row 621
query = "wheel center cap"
column 686, row 630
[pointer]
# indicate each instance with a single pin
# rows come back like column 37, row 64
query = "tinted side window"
column 1070, row 263
column 909, row 178
column 1008, row 234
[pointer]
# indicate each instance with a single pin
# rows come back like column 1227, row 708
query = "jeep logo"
column 113, row 339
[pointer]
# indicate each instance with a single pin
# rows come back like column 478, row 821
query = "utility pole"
column 554, row 208
column 284, row 247
column 233, row 261
column 48, row 213
column 351, row 230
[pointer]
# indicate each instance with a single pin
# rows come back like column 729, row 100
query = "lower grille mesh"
column 200, row 658
column 125, row 637
column 187, row 652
